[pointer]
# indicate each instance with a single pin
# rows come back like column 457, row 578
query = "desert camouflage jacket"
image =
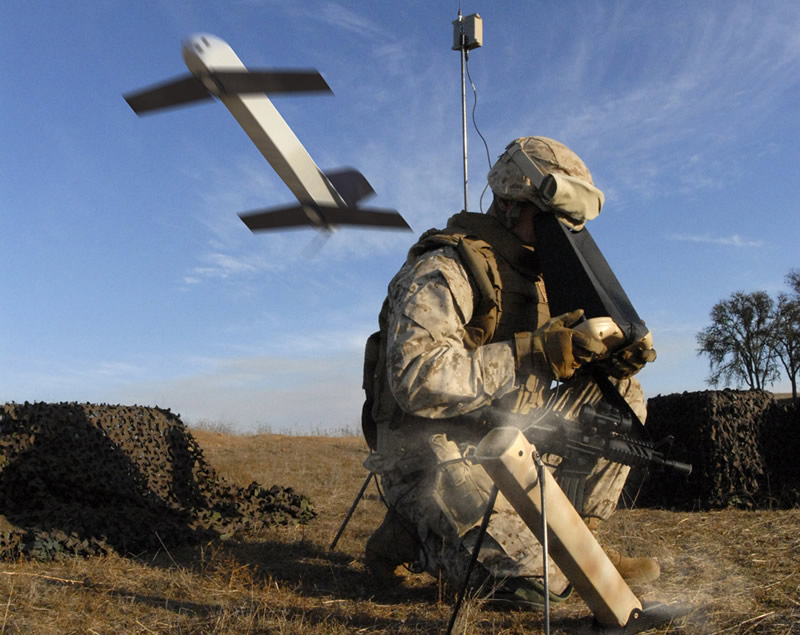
column 435, row 368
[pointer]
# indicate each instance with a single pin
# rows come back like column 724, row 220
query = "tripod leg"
column 351, row 510
column 545, row 543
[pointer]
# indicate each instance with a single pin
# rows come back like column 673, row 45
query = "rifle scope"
column 604, row 418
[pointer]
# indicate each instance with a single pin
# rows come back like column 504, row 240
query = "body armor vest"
column 509, row 290
column 508, row 293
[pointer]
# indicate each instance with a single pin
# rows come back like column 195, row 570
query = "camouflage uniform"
column 438, row 373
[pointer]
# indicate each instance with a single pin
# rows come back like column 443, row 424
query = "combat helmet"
column 550, row 175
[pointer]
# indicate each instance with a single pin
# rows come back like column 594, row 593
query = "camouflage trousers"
column 443, row 502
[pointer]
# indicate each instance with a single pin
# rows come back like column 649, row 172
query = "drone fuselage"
column 262, row 122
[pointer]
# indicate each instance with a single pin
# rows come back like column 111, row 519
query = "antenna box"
column 472, row 28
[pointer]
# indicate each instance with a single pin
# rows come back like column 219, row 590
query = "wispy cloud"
column 224, row 265
column 735, row 240
column 332, row 14
column 337, row 15
column 227, row 265
column 697, row 86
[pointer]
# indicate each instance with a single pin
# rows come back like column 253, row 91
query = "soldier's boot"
column 389, row 547
column 632, row 570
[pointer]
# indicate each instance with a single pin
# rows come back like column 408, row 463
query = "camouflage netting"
column 87, row 479
column 743, row 447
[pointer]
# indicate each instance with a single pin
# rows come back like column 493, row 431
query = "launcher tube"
column 507, row 456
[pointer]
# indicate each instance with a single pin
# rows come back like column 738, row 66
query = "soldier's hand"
column 630, row 360
column 556, row 348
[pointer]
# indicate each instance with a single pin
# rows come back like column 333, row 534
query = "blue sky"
column 127, row 276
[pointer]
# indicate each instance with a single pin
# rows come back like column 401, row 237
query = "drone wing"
column 365, row 217
column 352, row 187
column 278, row 218
column 182, row 90
column 321, row 217
column 191, row 88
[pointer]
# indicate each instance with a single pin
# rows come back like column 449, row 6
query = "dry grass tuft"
column 740, row 571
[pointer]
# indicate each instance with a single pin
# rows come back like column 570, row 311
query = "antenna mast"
column 467, row 35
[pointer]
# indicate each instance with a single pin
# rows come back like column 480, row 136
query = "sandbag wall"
column 739, row 444
column 87, row 479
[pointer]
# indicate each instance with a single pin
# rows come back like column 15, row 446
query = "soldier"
column 466, row 328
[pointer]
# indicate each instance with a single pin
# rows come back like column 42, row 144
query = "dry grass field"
column 738, row 571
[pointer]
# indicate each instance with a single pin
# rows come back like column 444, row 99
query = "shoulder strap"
column 486, row 313
column 477, row 258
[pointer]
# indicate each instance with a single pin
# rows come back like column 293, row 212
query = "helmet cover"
column 552, row 157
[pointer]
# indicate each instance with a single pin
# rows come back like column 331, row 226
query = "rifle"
column 600, row 430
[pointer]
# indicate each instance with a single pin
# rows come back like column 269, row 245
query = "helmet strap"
column 506, row 210
column 513, row 214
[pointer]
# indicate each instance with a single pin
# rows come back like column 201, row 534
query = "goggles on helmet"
column 574, row 200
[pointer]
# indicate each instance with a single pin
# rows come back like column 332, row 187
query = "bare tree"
column 786, row 330
column 738, row 342
column 793, row 280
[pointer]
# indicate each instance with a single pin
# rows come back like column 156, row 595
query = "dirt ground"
column 736, row 571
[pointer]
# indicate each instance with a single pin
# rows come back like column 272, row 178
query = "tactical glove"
column 554, row 350
column 630, row 360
